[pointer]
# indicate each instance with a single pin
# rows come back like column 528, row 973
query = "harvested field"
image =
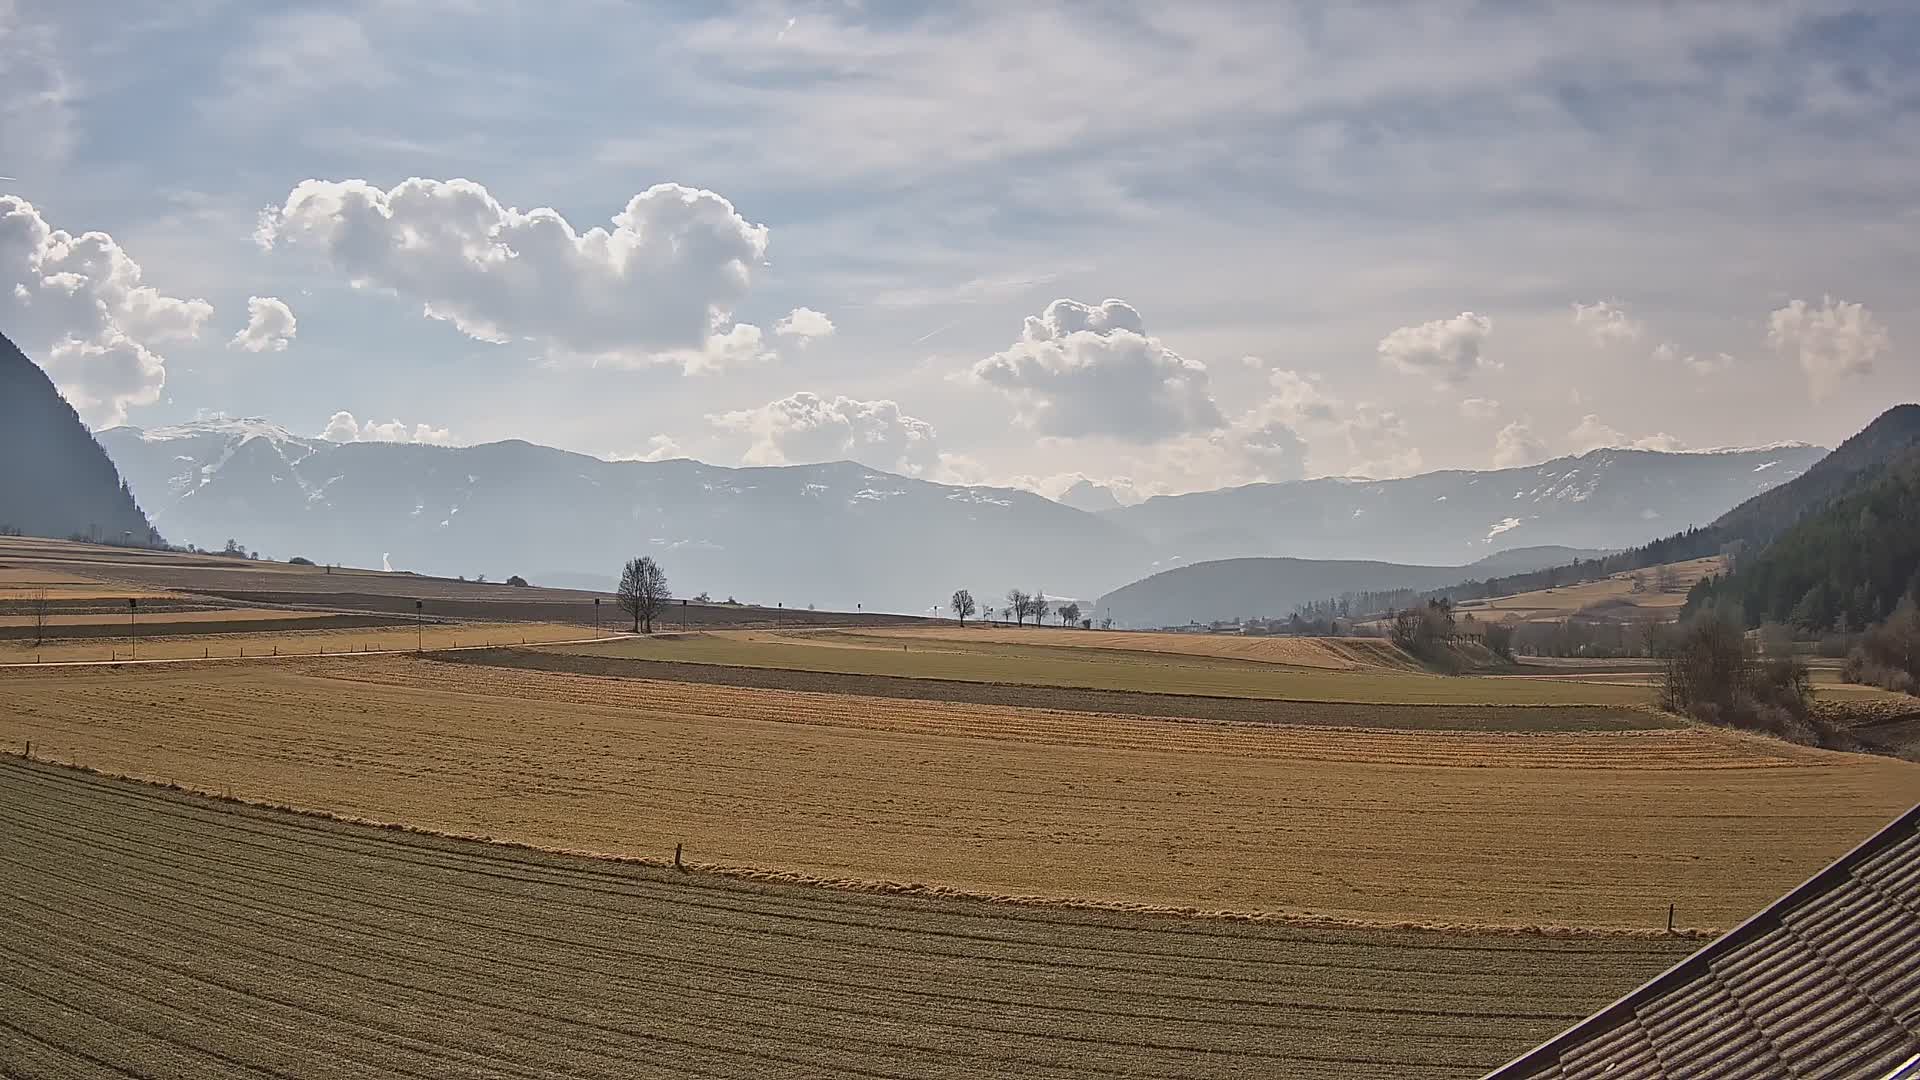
column 343, row 634
column 1610, row 598
column 153, row 933
column 864, row 653
column 1332, row 654
column 1073, row 699
column 1595, row 830
column 68, row 628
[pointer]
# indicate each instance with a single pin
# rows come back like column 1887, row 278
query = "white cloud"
column 659, row 448
column 1448, row 349
column 1478, row 408
column 1834, row 341
column 1607, row 322
column 805, row 427
column 659, row 286
column 1591, row 434
column 1669, row 354
column 343, row 428
column 270, row 326
column 1081, row 370
column 805, row 324
column 80, row 307
column 1296, row 424
column 1516, row 445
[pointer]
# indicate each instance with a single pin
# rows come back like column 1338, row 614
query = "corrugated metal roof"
column 1824, row 983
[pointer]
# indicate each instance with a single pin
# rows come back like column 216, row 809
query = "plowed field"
column 187, row 641
column 866, row 653
column 1599, row 829
column 1333, row 654
column 156, row 934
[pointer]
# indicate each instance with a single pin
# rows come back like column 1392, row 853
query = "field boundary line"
column 22, row 665
column 531, row 646
column 1304, row 920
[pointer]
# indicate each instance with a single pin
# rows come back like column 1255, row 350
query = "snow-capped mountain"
column 836, row 534
column 1611, row 498
column 841, row 534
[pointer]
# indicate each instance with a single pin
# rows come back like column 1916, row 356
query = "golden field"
column 1460, row 827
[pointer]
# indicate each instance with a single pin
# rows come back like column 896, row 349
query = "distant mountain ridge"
column 55, row 480
column 1609, row 498
column 837, row 535
column 1272, row 588
column 841, row 534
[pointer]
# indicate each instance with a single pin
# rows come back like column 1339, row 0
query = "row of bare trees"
column 1021, row 606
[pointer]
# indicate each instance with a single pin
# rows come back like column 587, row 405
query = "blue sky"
column 1360, row 240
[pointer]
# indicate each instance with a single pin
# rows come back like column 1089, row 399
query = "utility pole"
column 419, row 626
column 132, row 606
column 596, row 616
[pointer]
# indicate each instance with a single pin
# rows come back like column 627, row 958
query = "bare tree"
column 643, row 589
column 1069, row 614
column 963, row 605
column 39, row 605
column 1019, row 603
column 1666, row 578
column 1037, row 607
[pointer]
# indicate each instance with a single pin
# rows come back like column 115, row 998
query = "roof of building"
column 1824, row 983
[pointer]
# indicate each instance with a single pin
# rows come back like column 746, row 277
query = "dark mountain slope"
column 1852, row 466
column 1840, row 567
column 56, row 480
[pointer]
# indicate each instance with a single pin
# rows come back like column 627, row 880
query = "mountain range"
column 56, row 480
column 844, row 535
column 1609, row 498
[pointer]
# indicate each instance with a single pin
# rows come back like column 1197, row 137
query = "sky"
column 1162, row 247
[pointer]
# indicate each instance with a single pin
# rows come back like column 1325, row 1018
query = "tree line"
column 1021, row 606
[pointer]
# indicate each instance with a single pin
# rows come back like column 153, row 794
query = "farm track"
column 168, row 935
column 1075, row 699
column 1591, row 830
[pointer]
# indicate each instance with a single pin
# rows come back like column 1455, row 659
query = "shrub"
column 1714, row 674
column 517, row 581
column 1888, row 654
column 298, row 560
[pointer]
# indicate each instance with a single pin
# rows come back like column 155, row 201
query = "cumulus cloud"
column 270, row 326
column 658, row 286
column 1516, row 445
column 1591, row 434
column 659, row 448
column 1298, row 416
column 1479, row 408
column 343, row 428
column 805, row 427
column 79, row 305
column 1081, row 369
column 1450, row 350
column 1607, row 322
column 1700, row 364
column 1834, row 341
column 804, row 324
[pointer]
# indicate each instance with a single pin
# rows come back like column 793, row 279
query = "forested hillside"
column 55, row 480
column 1842, row 568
